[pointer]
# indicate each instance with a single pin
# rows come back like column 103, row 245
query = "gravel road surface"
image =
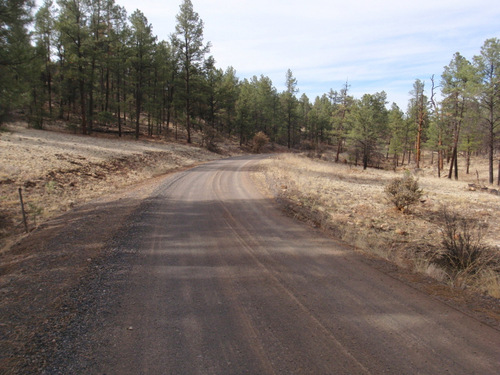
column 208, row 277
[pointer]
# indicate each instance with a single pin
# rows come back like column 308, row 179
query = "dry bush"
column 259, row 141
column 463, row 248
column 403, row 192
column 210, row 139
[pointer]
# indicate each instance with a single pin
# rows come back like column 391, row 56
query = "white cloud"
column 377, row 45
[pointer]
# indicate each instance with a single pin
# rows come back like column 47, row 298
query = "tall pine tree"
column 188, row 39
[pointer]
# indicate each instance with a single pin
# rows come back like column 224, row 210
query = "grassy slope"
column 58, row 171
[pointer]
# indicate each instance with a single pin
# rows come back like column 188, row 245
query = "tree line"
column 89, row 63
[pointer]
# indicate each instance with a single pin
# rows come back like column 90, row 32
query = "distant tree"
column 188, row 39
column 103, row 14
column 436, row 130
column 15, row 53
column 165, row 75
column 342, row 104
column 45, row 40
column 142, row 44
column 418, row 114
column 472, row 137
column 370, row 125
column 457, row 87
column 289, row 102
column 228, row 92
column 265, row 99
column 119, row 65
column 399, row 132
column 304, row 109
column 487, row 65
column 321, row 119
column 74, row 34
column 244, row 110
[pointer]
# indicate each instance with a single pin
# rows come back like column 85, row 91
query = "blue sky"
column 375, row 45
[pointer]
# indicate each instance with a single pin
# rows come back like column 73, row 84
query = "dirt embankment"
column 58, row 171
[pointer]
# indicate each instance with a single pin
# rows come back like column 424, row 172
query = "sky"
column 375, row 46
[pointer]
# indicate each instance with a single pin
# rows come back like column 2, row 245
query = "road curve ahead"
column 221, row 282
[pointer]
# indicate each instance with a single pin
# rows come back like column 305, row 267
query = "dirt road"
column 210, row 278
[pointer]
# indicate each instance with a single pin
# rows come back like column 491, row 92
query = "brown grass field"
column 350, row 203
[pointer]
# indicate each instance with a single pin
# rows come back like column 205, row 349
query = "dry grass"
column 57, row 171
column 351, row 204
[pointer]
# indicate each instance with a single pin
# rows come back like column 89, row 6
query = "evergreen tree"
column 417, row 110
column 15, row 53
column 244, row 109
column 45, row 40
column 304, row 110
column 342, row 105
column 398, row 126
column 228, row 96
column 188, row 39
column 74, row 34
column 321, row 118
column 370, row 125
column 118, row 66
column 142, row 44
column 289, row 103
column 457, row 87
column 488, row 69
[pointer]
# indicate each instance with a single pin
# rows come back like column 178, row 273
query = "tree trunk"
column 91, row 96
column 49, row 85
column 498, row 175
column 83, row 109
column 419, row 136
column 452, row 163
column 468, row 161
column 491, row 149
column 188, row 106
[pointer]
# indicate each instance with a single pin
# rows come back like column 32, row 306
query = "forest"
column 90, row 64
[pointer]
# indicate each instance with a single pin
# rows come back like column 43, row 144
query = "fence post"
column 22, row 210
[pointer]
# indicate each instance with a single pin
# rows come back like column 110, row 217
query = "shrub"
column 209, row 139
column 403, row 192
column 259, row 141
column 463, row 248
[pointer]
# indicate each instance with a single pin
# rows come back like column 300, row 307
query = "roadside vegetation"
column 449, row 233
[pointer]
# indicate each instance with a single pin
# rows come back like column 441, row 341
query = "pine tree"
column 289, row 102
column 418, row 114
column 15, row 53
column 369, row 130
column 45, row 40
column 188, row 39
column 74, row 34
column 488, row 69
column 457, row 87
column 142, row 43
